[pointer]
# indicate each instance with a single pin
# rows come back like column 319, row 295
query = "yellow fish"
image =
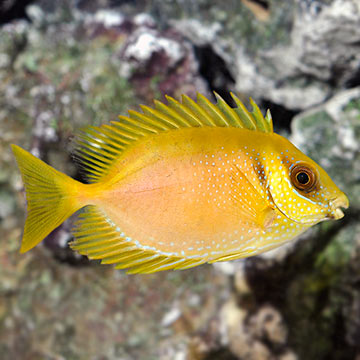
column 179, row 185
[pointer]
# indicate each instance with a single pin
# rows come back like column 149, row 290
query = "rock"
column 161, row 62
column 300, row 56
column 334, row 132
column 327, row 52
column 7, row 204
column 70, row 68
column 270, row 326
column 349, row 290
column 254, row 335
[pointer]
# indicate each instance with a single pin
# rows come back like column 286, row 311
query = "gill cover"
column 299, row 187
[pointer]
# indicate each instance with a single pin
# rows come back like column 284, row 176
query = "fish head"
column 299, row 187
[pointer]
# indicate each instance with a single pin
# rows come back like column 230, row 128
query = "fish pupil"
column 303, row 178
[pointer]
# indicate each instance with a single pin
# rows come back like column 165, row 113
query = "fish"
column 180, row 184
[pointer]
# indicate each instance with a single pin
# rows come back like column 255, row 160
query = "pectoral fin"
column 266, row 218
column 250, row 205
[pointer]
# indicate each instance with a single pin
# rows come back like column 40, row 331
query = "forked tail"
column 51, row 197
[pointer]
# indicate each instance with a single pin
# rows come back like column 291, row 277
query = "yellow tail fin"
column 51, row 197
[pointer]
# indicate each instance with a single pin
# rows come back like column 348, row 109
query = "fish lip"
column 337, row 204
column 337, row 214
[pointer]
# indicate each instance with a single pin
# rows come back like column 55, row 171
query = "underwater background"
column 68, row 63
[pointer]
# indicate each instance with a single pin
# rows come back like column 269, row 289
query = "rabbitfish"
column 179, row 185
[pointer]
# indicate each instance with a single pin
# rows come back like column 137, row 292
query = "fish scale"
column 179, row 185
column 220, row 198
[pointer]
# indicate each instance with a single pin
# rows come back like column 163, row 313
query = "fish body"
column 181, row 185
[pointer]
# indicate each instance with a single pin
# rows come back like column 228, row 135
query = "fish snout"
column 336, row 206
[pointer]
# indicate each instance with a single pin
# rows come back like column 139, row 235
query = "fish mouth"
column 337, row 205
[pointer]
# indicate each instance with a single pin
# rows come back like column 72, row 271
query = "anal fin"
column 98, row 238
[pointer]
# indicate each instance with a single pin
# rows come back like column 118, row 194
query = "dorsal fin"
column 98, row 147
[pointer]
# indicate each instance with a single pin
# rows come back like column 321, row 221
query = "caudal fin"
column 51, row 197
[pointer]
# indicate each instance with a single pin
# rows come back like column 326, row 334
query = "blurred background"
column 69, row 63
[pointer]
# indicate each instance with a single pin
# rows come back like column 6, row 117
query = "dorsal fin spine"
column 121, row 137
column 257, row 115
column 159, row 116
column 100, row 143
column 94, row 155
column 109, row 137
column 95, row 171
column 143, row 119
column 244, row 114
column 121, row 133
column 231, row 114
column 134, row 125
column 92, row 160
column 170, row 112
column 97, row 167
column 268, row 119
column 98, row 151
column 197, row 110
column 99, row 147
column 183, row 110
column 212, row 110
column 114, row 140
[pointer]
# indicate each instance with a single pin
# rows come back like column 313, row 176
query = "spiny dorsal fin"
column 99, row 147
column 98, row 238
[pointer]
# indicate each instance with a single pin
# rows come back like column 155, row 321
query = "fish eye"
column 303, row 178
